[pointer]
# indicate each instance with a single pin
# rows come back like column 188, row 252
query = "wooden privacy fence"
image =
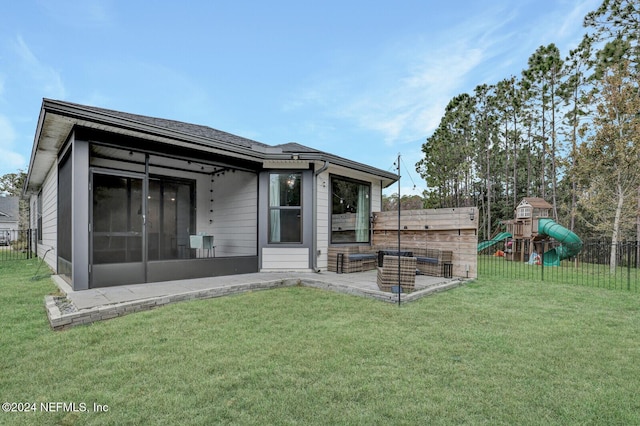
column 454, row 229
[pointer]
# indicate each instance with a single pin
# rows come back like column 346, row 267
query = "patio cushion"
column 362, row 256
column 427, row 260
column 347, row 259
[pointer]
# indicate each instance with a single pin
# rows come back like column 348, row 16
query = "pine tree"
column 573, row 91
column 609, row 162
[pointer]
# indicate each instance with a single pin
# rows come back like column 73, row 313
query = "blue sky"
column 362, row 80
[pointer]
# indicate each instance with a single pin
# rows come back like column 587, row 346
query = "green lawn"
column 493, row 352
column 585, row 274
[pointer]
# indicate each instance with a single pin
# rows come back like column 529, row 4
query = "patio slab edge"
column 62, row 320
column 382, row 295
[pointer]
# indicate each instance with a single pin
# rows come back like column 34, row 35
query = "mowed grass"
column 569, row 272
column 491, row 352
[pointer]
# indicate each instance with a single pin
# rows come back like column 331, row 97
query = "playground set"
column 526, row 238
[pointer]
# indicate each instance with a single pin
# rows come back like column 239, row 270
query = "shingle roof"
column 295, row 147
column 205, row 132
column 177, row 126
column 57, row 119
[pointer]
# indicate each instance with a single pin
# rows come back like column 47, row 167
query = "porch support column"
column 80, row 199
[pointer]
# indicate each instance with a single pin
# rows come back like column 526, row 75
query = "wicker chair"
column 433, row 261
column 388, row 274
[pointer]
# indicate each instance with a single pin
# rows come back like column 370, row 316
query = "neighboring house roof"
column 538, row 203
column 9, row 209
column 57, row 120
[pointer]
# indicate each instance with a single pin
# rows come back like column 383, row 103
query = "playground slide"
column 571, row 243
column 495, row 240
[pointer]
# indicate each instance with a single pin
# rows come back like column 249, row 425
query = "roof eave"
column 82, row 116
column 86, row 114
column 36, row 138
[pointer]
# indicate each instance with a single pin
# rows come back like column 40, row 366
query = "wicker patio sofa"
column 347, row 259
column 388, row 274
column 435, row 262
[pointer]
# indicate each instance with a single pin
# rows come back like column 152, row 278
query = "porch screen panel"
column 117, row 219
column 170, row 218
column 64, row 212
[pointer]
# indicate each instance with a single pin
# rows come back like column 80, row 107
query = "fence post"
column 591, row 265
column 29, row 248
column 33, row 249
column 544, row 248
column 629, row 258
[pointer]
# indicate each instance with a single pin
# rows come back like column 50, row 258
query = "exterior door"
column 118, row 242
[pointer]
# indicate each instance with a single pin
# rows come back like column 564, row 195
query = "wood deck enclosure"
column 454, row 229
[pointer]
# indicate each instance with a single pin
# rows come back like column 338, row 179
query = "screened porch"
column 155, row 217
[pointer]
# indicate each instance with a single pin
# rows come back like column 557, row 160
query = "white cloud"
column 169, row 94
column 11, row 160
column 7, row 134
column 401, row 92
column 410, row 105
column 579, row 9
column 46, row 77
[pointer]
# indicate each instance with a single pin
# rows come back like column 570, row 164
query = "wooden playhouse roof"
column 535, row 202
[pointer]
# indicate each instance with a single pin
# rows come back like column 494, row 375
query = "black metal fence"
column 16, row 244
column 598, row 264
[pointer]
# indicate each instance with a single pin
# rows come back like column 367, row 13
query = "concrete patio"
column 87, row 306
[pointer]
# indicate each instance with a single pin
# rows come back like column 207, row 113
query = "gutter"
column 340, row 161
column 314, row 245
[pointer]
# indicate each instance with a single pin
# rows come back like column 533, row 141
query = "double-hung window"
column 285, row 207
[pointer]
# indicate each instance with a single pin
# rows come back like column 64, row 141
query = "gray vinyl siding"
column 235, row 214
column 376, row 196
column 285, row 258
column 323, row 195
column 49, row 218
column 233, row 222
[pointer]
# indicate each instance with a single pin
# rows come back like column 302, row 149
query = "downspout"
column 314, row 245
